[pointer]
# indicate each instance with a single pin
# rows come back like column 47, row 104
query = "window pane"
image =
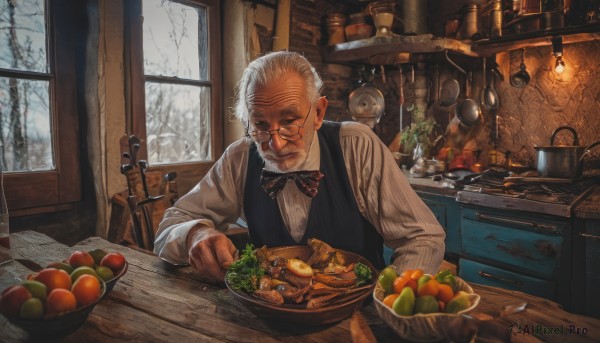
column 177, row 123
column 175, row 39
column 23, row 48
column 25, row 140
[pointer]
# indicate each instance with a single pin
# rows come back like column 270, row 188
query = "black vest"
column 333, row 217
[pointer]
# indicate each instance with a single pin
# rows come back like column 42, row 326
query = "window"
column 179, row 82
column 38, row 121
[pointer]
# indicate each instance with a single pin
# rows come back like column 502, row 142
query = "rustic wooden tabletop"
column 157, row 302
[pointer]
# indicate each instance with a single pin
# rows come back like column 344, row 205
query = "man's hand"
column 210, row 252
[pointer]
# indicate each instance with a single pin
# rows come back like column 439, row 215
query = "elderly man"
column 296, row 176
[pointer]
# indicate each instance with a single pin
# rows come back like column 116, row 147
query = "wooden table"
column 156, row 302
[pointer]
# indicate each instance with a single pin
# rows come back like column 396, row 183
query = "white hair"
column 267, row 68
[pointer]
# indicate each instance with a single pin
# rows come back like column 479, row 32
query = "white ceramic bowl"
column 422, row 327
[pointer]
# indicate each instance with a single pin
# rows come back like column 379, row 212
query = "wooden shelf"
column 392, row 50
column 400, row 49
column 572, row 34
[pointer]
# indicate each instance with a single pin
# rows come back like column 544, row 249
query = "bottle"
column 5, row 255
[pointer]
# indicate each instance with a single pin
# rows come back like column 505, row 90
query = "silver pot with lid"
column 562, row 161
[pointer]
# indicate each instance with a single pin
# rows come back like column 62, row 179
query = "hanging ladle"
column 521, row 78
column 489, row 97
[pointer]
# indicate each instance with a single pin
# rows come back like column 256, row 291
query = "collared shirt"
column 383, row 194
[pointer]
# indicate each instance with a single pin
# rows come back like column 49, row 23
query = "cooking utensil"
column 489, row 97
column 449, row 92
column 366, row 104
column 562, row 161
column 521, row 78
column 468, row 111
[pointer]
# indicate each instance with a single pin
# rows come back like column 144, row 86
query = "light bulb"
column 560, row 65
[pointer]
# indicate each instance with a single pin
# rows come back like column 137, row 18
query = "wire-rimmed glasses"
column 289, row 132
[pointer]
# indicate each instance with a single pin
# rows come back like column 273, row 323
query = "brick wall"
column 527, row 116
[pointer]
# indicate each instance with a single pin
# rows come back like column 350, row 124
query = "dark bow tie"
column 307, row 181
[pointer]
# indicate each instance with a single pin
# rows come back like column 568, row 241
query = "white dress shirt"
column 383, row 194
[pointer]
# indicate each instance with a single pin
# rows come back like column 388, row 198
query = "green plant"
column 420, row 131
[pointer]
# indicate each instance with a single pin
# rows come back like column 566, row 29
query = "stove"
column 556, row 197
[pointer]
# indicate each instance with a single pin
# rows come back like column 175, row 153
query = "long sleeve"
column 214, row 203
column 385, row 197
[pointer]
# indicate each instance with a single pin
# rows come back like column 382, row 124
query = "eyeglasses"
column 289, row 132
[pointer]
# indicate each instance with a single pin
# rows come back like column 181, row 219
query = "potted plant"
column 416, row 140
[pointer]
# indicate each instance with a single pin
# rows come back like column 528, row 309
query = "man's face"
column 284, row 102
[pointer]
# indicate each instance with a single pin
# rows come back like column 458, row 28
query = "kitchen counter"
column 587, row 208
column 156, row 302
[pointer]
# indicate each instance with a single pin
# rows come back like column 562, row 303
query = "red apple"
column 12, row 299
column 114, row 260
column 81, row 258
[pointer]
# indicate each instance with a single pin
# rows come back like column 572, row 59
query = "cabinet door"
column 529, row 245
column 446, row 211
column 592, row 268
column 484, row 274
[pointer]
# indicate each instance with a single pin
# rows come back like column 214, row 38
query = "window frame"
column 33, row 192
column 188, row 172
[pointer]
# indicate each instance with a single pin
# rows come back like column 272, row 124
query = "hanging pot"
column 366, row 105
column 562, row 161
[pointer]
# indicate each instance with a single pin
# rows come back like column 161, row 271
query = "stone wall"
column 527, row 116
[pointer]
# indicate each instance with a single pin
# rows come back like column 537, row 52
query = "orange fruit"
column 54, row 278
column 86, row 289
column 445, row 293
column 431, row 287
column 416, row 274
column 81, row 258
column 399, row 284
column 389, row 300
column 12, row 298
column 115, row 261
column 60, row 300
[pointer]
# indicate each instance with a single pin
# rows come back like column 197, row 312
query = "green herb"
column 363, row 274
column 245, row 273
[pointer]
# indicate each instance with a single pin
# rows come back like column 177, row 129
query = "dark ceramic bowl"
column 57, row 326
column 298, row 315
column 110, row 284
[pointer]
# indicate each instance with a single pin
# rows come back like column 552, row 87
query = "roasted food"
column 324, row 279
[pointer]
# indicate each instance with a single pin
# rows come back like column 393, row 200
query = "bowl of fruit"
column 51, row 306
column 422, row 307
column 56, row 300
column 108, row 266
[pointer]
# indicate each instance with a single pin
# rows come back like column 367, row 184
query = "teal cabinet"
column 516, row 250
column 447, row 212
column 586, row 267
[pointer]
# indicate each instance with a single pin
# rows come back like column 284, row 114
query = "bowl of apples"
column 56, row 300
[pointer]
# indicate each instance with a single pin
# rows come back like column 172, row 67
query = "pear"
column 459, row 302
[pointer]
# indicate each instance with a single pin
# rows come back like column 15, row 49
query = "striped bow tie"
column 307, row 181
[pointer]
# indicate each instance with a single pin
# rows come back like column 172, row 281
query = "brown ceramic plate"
column 298, row 314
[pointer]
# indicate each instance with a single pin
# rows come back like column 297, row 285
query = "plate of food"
column 308, row 285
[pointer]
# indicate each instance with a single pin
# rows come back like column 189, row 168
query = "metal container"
column 414, row 16
column 562, row 161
